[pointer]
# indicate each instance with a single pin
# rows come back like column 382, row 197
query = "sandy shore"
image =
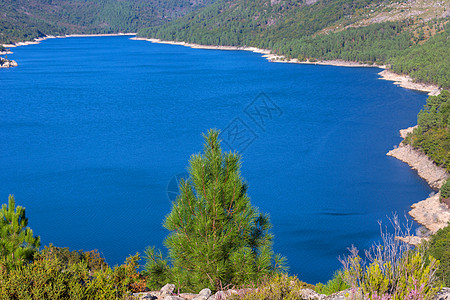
column 267, row 54
column 197, row 46
column 407, row 82
column 402, row 80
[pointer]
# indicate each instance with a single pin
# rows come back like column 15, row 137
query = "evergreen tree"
column 217, row 237
column 17, row 243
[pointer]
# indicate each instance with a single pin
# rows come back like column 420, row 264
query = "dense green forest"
column 256, row 23
column 22, row 20
column 427, row 62
column 432, row 135
column 389, row 43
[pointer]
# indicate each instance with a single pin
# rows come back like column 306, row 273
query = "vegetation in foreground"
column 218, row 240
column 392, row 270
column 334, row 285
column 50, row 277
column 17, row 242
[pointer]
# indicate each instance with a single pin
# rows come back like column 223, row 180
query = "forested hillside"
column 410, row 36
column 22, row 20
column 258, row 23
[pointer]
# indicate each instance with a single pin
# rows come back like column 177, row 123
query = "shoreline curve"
column 402, row 80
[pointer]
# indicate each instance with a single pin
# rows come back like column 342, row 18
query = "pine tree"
column 217, row 237
column 17, row 243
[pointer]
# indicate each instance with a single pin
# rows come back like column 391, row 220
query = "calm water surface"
column 94, row 129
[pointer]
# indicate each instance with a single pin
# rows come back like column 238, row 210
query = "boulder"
column 343, row 295
column 310, row 294
column 203, row 295
column 444, row 294
column 145, row 296
column 167, row 290
column 220, row 295
column 5, row 63
column 188, row 296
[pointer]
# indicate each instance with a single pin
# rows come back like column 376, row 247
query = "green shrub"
column 92, row 258
column 445, row 190
column 17, row 243
column 393, row 269
column 336, row 284
column 439, row 248
column 382, row 278
column 217, row 237
column 47, row 277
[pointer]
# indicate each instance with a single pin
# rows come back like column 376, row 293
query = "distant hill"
column 22, row 20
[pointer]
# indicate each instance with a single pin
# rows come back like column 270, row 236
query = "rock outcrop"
column 426, row 168
column 5, row 63
column 431, row 213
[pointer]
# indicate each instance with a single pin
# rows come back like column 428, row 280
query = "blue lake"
column 93, row 130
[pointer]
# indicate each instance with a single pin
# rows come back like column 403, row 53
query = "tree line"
column 23, row 20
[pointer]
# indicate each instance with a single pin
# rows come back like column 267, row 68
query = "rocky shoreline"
column 430, row 213
column 425, row 167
